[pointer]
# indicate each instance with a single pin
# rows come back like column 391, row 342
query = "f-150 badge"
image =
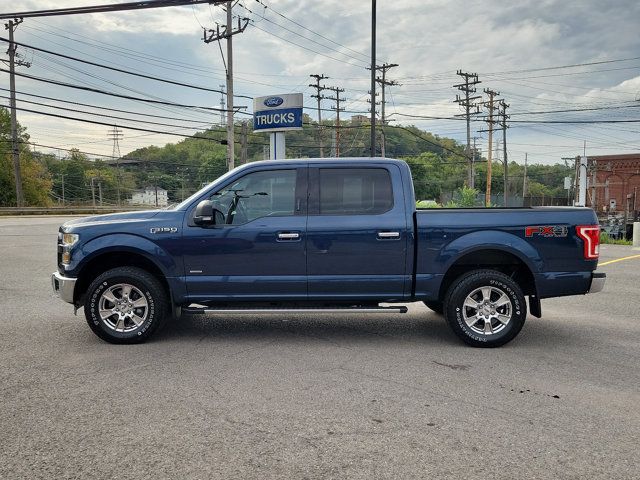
column 164, row 229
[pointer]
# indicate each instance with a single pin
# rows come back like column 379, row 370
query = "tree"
column 36, row 181
column 467, row 198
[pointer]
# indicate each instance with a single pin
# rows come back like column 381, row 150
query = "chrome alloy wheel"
column 487, row 310
column 123, row 307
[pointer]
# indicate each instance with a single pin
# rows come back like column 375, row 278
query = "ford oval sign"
column 273, row 101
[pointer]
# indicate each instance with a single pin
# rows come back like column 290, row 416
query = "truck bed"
column 556, row 261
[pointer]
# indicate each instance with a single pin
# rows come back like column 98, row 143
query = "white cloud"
column 429, row 40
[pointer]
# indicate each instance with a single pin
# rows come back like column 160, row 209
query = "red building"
column 617, row 184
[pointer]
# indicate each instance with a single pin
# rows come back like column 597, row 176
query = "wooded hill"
column 438, row 164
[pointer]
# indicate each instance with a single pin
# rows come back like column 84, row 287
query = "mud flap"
column 534, row 306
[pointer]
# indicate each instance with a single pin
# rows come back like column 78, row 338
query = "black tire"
column 436, row 306
column 146, row 289
column 473, row 329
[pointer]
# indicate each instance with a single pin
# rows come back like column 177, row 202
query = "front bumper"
column 63, row 287
column 597, row 282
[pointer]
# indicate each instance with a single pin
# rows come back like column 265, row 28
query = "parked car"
column 336, row 235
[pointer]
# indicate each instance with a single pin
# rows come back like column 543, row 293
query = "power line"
column 121, row 70
column 95, row 122
column 111, row 116
column 577, row 122
column 613, row 107
column 302, row 36
column 113, row 7
column 312, row 31
column 104, row 92
column 104, row 108
column 306, row 48
column 427, row 140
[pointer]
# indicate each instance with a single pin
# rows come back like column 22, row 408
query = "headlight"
column 70, row 239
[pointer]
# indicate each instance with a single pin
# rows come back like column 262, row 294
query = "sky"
column 545, row 57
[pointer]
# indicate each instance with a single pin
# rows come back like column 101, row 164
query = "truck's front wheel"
column 125, row 305
column 485, row 308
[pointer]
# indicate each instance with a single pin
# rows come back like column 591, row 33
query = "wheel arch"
column 108, row 260
column 491, row 258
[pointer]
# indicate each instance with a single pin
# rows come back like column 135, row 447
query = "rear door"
column 357, row 233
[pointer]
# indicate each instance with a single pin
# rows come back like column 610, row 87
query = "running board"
column 251, row 310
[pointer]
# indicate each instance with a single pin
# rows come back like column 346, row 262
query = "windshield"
column 186, row 202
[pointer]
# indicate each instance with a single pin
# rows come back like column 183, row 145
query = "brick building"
column 617, row 179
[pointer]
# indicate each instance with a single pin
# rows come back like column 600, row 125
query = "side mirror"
column 204, row 213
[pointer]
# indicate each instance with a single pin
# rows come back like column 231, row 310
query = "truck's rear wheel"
column 125, row 305
column 485, row 308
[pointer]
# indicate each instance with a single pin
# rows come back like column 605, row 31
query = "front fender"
column 490, row 240
column 124, row 242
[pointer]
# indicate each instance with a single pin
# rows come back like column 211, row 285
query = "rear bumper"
column 597, row 282
column 63, row 287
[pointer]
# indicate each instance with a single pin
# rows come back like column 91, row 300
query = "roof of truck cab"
column 333, row 160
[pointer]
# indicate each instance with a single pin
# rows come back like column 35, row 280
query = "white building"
column 150, row 196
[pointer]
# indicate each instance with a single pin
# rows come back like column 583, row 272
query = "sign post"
column 276, row 114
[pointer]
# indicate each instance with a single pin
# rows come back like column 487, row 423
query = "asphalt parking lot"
column 314, row 397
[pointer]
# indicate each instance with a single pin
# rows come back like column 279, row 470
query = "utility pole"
column 11, row 25
column 222, row 112
column 243, row 142
column 337, row 91
column 182, row 172
column 383, row 82
column 502, row 106
column 524, row 179
column 491, row 107
column 473, row 152
column 116, row 135
column 374, row 110
column 227, row 32
column 230, row 130
column 318, row 96
column 62, row 179
column 372, row 139
column 576, row 190
column 470, row 108
column 93, row 192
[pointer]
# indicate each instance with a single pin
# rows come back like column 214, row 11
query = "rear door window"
column 355, row 191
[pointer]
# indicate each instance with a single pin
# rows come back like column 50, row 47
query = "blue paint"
column 335, row 257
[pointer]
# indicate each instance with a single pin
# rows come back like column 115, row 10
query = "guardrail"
column 79, row 210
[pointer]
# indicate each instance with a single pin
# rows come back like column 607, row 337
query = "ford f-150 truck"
column 329, row 235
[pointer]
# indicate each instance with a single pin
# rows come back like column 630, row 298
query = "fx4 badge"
column 164, row 229
column 546, row 231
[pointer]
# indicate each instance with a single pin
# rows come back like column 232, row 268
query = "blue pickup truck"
column 330, row 235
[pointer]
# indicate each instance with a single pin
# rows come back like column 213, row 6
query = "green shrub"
column 606, row 239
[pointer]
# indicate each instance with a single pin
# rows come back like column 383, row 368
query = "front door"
column 357, row 233
column 258, row 253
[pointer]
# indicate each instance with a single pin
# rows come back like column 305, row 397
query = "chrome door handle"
column 288, row 236
column 389, row 235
